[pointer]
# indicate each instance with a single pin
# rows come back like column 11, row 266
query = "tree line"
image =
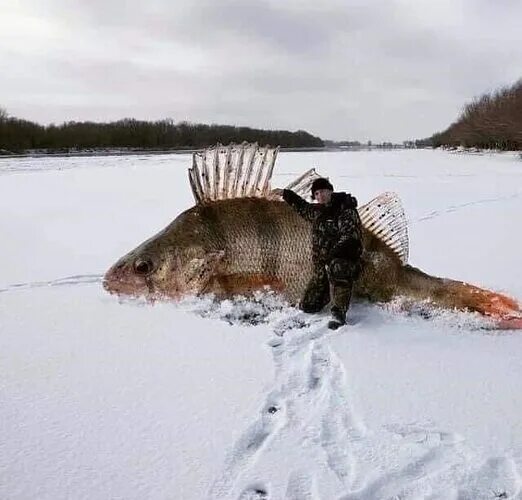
column 18, row 135
column 491, row 121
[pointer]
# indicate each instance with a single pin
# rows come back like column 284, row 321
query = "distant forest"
column 17, row 135
column 491, row 121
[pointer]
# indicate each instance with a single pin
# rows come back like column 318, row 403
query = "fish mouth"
column 121, row 280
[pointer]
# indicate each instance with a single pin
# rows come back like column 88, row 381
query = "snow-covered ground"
column 107, row 399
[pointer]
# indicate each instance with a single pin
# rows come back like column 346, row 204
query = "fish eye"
column 143, row 266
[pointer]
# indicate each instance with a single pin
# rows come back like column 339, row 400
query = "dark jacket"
column 336, row 227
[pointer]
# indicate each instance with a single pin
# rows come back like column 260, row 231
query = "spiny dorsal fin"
column 233, row 171
column 303, row 184
column 245, row 170
column 384, row 217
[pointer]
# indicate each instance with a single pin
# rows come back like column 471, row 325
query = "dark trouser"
column 333, row 285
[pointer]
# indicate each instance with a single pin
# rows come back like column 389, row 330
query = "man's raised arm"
column 302, row 207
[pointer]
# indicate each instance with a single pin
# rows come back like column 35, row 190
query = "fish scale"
column 240, row 238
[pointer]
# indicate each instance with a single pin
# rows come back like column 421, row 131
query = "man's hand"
column 277, row 192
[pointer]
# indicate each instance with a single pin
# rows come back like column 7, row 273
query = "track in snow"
column 306, row 408
column 79, row 279
column 308, row 441
column 455, row 208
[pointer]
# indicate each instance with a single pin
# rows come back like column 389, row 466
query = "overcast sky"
column 380, row 70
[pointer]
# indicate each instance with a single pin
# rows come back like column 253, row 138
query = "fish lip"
column 121, row 280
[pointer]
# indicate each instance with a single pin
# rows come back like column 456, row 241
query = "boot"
column 339, row 319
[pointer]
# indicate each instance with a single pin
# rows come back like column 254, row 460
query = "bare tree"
column 492, row 121
column 19, row 135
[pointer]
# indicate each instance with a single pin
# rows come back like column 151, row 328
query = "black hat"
column 321, row 183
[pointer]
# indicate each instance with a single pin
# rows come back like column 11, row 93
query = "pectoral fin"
column 199, row 272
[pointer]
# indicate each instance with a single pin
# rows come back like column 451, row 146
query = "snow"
column 108, row 398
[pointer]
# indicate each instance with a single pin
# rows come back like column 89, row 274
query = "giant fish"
column 240, row 238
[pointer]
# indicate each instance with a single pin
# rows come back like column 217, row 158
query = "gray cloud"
column 360, row 70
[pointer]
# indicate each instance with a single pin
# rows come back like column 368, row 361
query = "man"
column 336, row 248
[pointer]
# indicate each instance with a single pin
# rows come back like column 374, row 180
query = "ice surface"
column 101, row 398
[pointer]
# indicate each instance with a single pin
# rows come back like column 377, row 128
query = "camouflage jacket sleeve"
column 302, row 207
column 350, row 242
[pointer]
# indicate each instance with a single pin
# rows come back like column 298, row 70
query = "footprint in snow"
column 300, row 486
column 254, row 492
column 497, row 477
column 247, row 448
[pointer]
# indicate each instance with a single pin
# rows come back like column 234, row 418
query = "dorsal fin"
column 233, row 171
column 245, row 170
column 384, row 217
column 303, row 184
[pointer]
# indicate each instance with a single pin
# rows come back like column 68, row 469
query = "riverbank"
column 43, row 153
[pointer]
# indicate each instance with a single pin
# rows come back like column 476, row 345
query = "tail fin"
column 505, row 311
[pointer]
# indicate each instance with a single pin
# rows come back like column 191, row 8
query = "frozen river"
column 102, row 399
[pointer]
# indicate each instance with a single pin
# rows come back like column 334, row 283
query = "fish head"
column 149, row 271
column 174, row 263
